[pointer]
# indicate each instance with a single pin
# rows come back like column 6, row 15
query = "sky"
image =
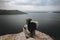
column 30, row 5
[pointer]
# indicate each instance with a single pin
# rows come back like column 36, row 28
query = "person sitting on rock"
column 31, row 26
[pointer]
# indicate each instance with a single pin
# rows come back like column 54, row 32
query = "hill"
column 11, row 12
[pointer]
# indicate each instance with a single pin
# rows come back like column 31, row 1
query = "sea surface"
column 49, row 23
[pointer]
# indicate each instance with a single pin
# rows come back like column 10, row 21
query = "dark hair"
column 28, row 20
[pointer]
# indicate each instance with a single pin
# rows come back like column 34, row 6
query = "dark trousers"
column 32, row 33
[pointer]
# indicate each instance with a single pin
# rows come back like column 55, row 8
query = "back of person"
column 32, row 28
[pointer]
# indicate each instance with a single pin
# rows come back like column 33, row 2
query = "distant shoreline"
column 11, row 12
column 43, row 11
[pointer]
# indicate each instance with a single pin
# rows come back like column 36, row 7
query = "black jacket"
column 32, row 26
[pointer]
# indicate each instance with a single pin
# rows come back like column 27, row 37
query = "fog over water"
column 49, row 23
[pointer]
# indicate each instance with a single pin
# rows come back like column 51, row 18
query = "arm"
column 25, row 29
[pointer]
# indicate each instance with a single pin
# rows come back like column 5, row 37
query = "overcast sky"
column 31, row 5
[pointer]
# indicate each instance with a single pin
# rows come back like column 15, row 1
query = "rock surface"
column 21, row 36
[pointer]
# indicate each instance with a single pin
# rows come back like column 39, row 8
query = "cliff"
column 21, row 36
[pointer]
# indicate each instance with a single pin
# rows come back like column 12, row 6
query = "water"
column 49, row 23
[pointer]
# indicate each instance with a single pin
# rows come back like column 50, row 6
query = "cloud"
column 38, row 8
column 37, row 2
column 53, row 2
column 30, row 5
column 5, row 0
column 30, row 2
column 6, row 5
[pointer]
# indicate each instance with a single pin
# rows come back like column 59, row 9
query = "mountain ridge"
column 10, row 12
